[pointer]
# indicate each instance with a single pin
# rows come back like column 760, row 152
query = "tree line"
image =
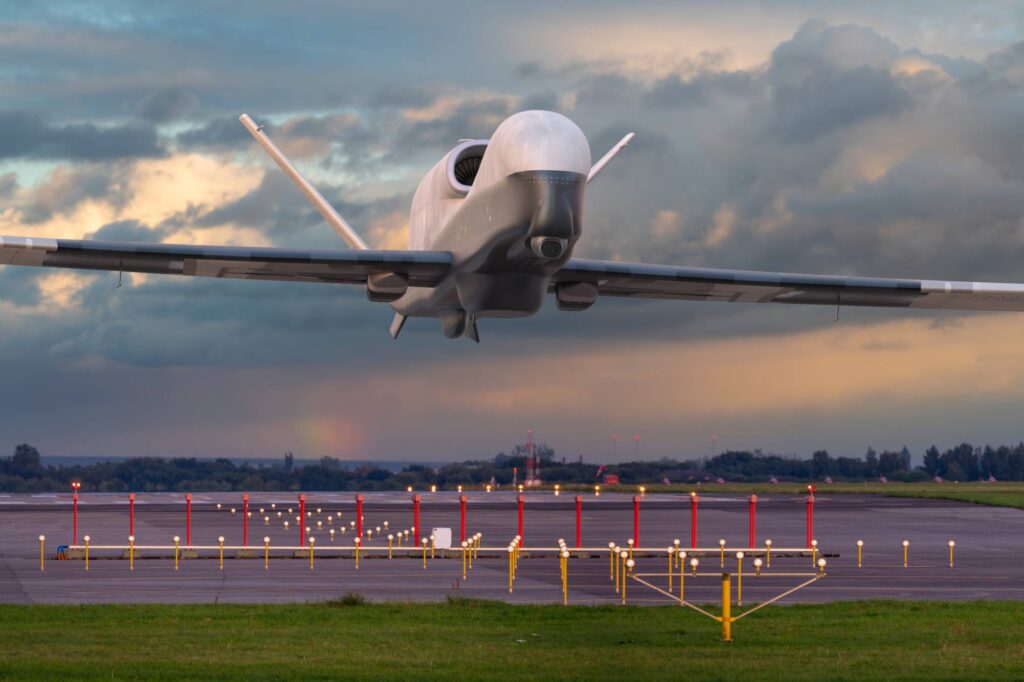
column 25, row 472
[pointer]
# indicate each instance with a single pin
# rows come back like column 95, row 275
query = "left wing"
column 333, row 266
column 611, row 278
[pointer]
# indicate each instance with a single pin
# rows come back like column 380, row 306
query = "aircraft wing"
column 420, row 268
column 643, row 280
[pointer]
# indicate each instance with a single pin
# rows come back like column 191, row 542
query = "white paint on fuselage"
column 527, row 141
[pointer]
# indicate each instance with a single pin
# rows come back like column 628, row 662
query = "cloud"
column 27, row 135
column 167, row 104
column 861, row 145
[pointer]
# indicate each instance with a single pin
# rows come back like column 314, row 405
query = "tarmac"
column 988, row 560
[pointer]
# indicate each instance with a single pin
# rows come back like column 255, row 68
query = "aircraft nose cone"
column 534, row 141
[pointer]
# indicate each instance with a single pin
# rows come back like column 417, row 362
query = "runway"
column 988, row 559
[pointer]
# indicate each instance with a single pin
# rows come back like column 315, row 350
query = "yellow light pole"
column 860, row 552
column 629, row 568
column 682, row 574
column 726, row 608
column 630, row 543
column 266, row 552
column 821, row 567
column 510, row 550
column 757, row 566
column 739, row 578
column 675, row 546
column 86, row 538
column 42, row 552
column 220, row 542
column 357, row 552
column 431, row 545
column 424, row 543
column 465, row 545
column 177, row 540
column 768, row 553
column 390, row 538
column 623, row 558
column 951, row 546
column 331, row 531
column 814, row 552
column 312, row 543
column 131, row 552
column 693, row 566
column 565, row 577
column 906, row 547
column 671, row 566
column 611, row 560
column 721, row 549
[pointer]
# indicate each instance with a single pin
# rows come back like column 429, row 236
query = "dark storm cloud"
column 8, row 183
column 223, row 132
column 128, row 231
column 28, row 135
column 829, row 99
column 63, row 190
column 167, row 104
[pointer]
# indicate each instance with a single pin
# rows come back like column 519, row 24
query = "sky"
column 869, row 138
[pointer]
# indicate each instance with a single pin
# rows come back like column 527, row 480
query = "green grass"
column 1001, row 494
column 470, row 640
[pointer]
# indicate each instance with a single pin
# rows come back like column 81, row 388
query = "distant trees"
column 25, row 472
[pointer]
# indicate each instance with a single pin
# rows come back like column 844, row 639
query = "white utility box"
column 442, row 537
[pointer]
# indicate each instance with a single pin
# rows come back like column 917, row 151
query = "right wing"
column 645, row 280
column 331, row 266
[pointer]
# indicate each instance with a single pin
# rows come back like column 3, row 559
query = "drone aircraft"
column 491, row 234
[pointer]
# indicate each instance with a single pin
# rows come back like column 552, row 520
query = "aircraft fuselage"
column 514, row 228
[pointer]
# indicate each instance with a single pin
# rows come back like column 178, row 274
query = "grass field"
column 1001, row 494
column 485, row 640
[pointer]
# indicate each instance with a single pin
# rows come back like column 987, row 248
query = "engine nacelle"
column 442, row 190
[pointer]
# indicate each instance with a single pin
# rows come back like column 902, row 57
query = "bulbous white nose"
column 534, row 141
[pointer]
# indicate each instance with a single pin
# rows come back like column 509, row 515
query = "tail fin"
column 344, row 230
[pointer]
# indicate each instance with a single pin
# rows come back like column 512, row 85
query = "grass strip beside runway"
column 998, row 494
column 474, row 640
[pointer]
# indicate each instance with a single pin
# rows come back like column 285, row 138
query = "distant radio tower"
column 532, row 463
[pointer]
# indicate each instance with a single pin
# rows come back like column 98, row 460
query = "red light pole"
column 188, row 519
column 579, row 512
column 810, row 513
column 245, row 519
column 693, row 519
column 462, row 518
column 359, row 516
column 302, row 520
column 75, row 486
column 416, row 520
column 521, row 520
column 636, row 520
column 131, row 513
column 752, row 536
